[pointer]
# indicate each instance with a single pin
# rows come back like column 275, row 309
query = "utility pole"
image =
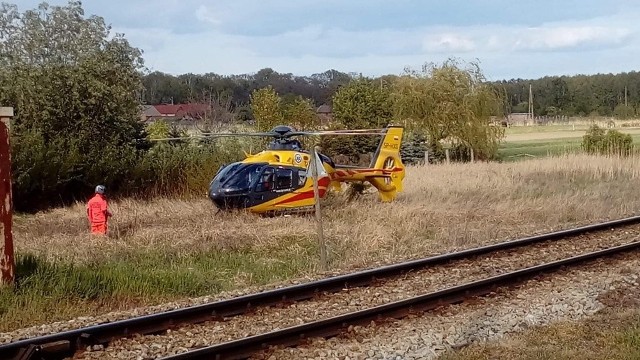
column 7, row 262
column 530, row 102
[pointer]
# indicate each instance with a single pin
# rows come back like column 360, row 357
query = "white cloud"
column 564, row 37
column 448, row 42
column 205, row 14
column 504, row 51
column 543, row 38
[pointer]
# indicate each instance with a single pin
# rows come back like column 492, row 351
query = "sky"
column 508, row 38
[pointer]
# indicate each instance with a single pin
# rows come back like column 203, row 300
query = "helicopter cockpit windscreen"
column 236, row 177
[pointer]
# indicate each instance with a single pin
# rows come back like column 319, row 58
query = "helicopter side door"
column 275, row 182
column 283, row 180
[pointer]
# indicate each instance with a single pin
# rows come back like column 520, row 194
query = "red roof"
column 191, row 109
column 167, row 109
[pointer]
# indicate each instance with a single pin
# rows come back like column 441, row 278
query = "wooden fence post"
column 7, row 261
column 316, row 194
column 446, row 152
column 426, row 158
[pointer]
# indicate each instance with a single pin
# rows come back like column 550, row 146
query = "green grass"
column 50, row 291
column 518, row 150
column 526, row 149
column 629, row 339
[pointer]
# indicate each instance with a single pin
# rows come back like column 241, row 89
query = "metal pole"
column 7, row 262
column 316, row 195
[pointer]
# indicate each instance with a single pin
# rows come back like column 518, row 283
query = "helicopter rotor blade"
column 204, row 135
column 334, row 133
column 239, row 134
column 214, row 135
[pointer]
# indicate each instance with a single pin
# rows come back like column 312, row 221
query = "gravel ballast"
column 570, row 296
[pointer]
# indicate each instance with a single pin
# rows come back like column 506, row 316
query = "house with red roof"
column 181, row 115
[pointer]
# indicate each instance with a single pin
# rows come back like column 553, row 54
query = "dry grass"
column 167, row 249
column 443, row 208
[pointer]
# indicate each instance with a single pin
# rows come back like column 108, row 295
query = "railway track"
column 245, row 348
column 61, row 345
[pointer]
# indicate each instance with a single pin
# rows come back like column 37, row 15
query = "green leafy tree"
column 266, row 108
column 73, row 86
column 361, row 104
column 450, row 104
column 300, row 114
column 623, row 111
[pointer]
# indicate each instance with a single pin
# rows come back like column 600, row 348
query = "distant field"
column 525, row 142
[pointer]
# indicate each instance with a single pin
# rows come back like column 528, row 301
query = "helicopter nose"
column 218, row 199
column 226, row 201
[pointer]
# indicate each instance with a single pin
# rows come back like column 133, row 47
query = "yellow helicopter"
column 279, row 179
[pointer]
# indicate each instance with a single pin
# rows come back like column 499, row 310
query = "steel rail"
column 244, row 348
column 59, row 345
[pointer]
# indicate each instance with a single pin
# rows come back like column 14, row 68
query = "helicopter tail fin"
column 387, row 157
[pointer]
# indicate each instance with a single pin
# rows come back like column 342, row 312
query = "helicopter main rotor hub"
column 283, row 130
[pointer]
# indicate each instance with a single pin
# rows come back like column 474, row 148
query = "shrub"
column 169, row 169
column 613, row 142
column 53, row 173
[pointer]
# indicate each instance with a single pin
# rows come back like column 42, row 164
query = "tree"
column 362, row 104
column 73, row 86
column 623, row 111
column 217, row 113
column 560, row 95
column 300, row 114
column 265, row 106
column 450, row 104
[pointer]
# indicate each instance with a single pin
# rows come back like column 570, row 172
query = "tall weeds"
column 52, row 174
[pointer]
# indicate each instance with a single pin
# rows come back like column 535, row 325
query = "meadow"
column 169, row 249
column 527, row 142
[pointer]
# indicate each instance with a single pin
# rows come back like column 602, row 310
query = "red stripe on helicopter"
column 322, row 189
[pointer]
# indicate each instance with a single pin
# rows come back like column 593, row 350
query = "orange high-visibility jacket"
column 97, row 209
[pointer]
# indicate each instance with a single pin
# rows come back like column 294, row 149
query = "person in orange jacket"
column 98, row 211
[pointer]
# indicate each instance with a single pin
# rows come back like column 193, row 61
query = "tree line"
column 616, row 95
